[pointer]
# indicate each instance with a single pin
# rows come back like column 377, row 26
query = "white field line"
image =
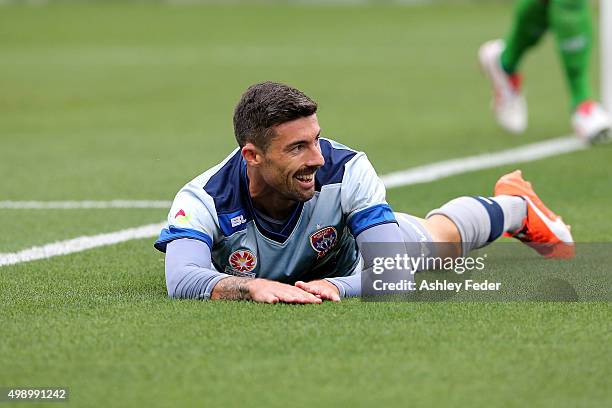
column 447, row 168
column 422, row 174
column 80, row 244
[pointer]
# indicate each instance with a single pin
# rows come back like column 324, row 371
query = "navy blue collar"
column 281, row 236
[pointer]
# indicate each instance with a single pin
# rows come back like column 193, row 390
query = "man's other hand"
column 267, row 291
column 320, row 288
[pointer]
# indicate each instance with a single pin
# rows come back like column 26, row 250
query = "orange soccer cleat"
column 543, row 230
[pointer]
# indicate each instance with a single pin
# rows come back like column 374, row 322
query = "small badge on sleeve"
column 181, row 217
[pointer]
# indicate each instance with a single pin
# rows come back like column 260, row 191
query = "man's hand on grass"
column 320, row 288
column 261, row 290
column 267, row 291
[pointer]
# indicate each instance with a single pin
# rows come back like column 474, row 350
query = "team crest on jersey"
column 242, row 262
column 324, row 240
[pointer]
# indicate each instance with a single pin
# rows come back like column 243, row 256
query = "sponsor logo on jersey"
column 181, row 217
column 242, row 262
column 236, row 221
column 324, row 240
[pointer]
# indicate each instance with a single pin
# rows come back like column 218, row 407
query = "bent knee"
column 441, row 228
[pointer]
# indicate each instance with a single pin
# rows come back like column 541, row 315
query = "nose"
column 315, row 158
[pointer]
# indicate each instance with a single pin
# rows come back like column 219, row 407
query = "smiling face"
column 285, row 171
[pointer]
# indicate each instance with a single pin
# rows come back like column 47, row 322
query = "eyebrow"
column 297, row 142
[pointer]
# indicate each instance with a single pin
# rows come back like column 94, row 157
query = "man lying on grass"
column 283, row 217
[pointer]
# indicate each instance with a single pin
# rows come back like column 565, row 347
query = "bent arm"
column 190, row 275
column 350, row 286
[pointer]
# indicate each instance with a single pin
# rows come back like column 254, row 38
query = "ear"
column 252, row 154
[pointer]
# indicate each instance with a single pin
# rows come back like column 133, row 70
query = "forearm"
column 196, row 283
column 232, row 288
column 189, row 273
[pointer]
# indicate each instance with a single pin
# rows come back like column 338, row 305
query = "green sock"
column 571, row 22
column 529, row 24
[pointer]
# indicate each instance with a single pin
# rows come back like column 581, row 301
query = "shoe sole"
column 602, row 137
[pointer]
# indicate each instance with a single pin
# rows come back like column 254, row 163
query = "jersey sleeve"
column 192, row 215
column 363, row 196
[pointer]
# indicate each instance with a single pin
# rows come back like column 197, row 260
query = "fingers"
column 266, row 291
column 297, row 296
column 265, row 297
column 321, row 289
column 270, row 298
column 308, row 287
column 333, row 296
column 293, row 294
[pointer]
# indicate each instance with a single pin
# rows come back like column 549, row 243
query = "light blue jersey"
column 316, row 241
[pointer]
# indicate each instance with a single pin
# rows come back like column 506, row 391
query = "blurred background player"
column 570, row 20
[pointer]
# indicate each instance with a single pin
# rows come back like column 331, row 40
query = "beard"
column 302, row 195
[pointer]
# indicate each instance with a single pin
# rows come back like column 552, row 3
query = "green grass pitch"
column 106, row 101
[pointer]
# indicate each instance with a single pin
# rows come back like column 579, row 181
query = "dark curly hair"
column 265, row 105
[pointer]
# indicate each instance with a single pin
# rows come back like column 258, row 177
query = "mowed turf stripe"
column 415, row 175
column 421, row 174
column 80, row 244
column 70, row 205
